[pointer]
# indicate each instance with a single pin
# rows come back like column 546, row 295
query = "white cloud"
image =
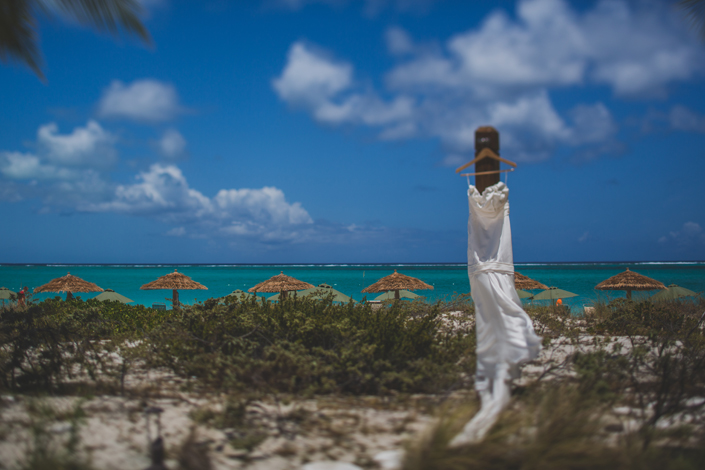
column 65, row 170
column 633, row 48
column 592, row 124
column 533, row 112
column 176, row 232
column 261, row 205
column 325, row 88
column 172, row 144
column 683, row 119
column 502, row 74
column 640, row 48
column 29, row 176
column 142, row 100
column 398, row 41
column 25, row 166
column 310, row 78
column 163, row 192
column 85, row 146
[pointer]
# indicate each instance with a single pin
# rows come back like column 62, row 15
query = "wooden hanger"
column 487, row 172
column 485, row 153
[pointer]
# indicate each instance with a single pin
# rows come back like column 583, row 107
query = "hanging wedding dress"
column 505, row 335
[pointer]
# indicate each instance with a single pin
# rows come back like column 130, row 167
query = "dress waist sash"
column 490, row 266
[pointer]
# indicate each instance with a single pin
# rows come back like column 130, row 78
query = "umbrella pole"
column 69, row 296
column 175, row 299
column 629, row 294
column 396, row 294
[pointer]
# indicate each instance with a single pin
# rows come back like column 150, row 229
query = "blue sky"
column 324, row 131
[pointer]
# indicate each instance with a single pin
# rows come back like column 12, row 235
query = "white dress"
column 505, row 335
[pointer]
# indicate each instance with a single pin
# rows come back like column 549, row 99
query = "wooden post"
column 175, row 299
column 486, row 136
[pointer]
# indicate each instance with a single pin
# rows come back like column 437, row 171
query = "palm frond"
column 18, row 23
column 695, row 13
column 105, row 15
column 18, row 35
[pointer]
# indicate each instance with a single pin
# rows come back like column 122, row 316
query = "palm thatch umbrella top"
column 280, row 283
column 524, row 282
column 629, row 281
column 174, row 281
column 68, row 284
column 396, row 282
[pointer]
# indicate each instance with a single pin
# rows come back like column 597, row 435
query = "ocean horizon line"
column 440, row 263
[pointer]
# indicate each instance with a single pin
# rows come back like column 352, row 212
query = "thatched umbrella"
column 526, row 283
column 174, row 281
column 397, row 282
column 629, row 281
column 281, row 283
column 68, row 284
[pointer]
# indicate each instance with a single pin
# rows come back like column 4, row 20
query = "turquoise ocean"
column 447, row 279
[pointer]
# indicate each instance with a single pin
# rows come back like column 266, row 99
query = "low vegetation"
column 630, row 395
column 299, row 346
column 627, row 390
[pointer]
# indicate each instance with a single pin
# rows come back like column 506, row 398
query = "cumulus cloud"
column 310, row 78
column 85, row 146
column 142, row 100
column 26, row 166
column 25, row 175
column 501, row 73
column 172, row 144
column 163, row 192
column 316, row 82
column 633, row 49
column 64, row 168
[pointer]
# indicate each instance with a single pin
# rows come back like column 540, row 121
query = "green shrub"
column 306, row 346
